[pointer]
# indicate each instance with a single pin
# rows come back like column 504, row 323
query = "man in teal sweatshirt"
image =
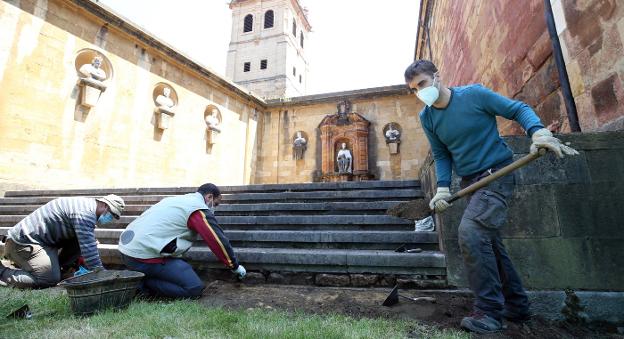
column 460, row 124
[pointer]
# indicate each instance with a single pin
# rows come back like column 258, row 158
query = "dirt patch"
column 446, row 312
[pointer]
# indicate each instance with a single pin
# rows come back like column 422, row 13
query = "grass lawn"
column 52, row 318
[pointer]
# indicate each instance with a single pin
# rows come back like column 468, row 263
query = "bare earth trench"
column 446, row 312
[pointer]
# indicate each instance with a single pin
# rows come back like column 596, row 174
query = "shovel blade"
column 392, row 298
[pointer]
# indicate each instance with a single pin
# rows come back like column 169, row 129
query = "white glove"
column 438, row 203
column 240, row 272
column 543, row 138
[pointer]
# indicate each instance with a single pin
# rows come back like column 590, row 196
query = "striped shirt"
column 59, row 221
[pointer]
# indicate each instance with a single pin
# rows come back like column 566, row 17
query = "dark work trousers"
column 491, row 275
column 174, row 278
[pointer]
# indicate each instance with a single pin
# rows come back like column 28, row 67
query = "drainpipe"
column 561, row 69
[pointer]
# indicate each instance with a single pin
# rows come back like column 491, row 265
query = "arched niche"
column 213, row 120
column 86, row 56
column 299, row 142
column 159, row 89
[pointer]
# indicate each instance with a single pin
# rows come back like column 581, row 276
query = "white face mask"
column 430, row 94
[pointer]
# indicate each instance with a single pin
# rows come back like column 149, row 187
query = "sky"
column 354, row 44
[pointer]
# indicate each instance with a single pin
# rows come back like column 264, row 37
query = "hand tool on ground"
column 422, row 206
column 403, row 248
column 393, row 298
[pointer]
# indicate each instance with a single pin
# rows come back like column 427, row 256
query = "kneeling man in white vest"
column 155, row 242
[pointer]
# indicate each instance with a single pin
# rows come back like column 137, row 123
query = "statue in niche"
column 93, row 71
column 345, row 160
column 392, row 134
column 164, row 100
column 299, row 146
column 212, row 120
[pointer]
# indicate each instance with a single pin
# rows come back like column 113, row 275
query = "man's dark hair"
column 209, row 189
column 419, row 67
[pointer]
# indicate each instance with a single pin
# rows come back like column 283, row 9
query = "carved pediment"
column 338, row 119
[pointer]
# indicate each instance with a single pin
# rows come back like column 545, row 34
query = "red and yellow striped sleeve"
column 205, row 223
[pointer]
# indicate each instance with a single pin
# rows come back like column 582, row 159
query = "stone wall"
column 592, row 35
column 276, row 163
column 565, row 218
column 48, row 141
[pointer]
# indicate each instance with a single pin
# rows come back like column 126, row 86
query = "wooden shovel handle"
column 500, row 173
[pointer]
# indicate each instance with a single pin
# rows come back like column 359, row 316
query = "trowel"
column 393, row 298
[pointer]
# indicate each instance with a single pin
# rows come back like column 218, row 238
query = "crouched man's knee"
column 196, row 290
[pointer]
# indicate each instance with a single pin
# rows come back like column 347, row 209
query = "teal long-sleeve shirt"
column 464, row 135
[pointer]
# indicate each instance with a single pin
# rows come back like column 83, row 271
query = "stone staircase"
column 316, row 233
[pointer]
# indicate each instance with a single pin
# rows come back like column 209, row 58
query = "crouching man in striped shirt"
column 155, row 241
column 54, row 236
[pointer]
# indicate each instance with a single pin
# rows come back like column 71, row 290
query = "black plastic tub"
column 97, row 291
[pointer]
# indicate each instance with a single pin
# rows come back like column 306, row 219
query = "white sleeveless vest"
column 146, row 236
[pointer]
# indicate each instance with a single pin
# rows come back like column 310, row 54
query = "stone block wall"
column 592, row 38
column 565, row 219
column 48, row 141
column 275, row 160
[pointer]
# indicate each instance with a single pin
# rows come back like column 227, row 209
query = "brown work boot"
column 481, row 323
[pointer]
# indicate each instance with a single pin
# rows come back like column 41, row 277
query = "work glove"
column 543, row 138
column 240, row 272
column 438, row 203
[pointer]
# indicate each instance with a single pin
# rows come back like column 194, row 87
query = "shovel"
column 422, row 207
column 393, row 298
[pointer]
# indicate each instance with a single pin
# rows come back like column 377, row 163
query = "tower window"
column 263, row 64
column 246, row 67
column 248, row 26
column 268, row 19
column 300, row 81
column 294, row 28
column 294, row 71
column 301, row 38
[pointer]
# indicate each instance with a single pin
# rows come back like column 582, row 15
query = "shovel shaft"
column 500, row 173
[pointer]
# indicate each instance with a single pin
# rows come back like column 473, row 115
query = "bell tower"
column 267, row 47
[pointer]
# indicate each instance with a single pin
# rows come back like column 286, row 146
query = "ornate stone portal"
column 344, row 146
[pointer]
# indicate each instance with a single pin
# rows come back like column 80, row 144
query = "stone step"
column 316, row 222
column 388, row 240
column 290, row 197
column 315, row 260
column 253, row 209
column 224, row 189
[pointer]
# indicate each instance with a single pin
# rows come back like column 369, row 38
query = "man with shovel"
column 460, row 123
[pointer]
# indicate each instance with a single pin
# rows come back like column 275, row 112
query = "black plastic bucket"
column 97, row 291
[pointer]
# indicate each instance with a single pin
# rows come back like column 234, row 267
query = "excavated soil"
column 446, row 312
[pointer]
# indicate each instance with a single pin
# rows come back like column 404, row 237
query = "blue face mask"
column 105, row 218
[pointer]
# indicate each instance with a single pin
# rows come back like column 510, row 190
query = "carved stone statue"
column 93, row 70
column 91, row 82
column 164, row 100
column 212, row 120
column 299, row 146
column 392, row 134
column 344, row 107
column 345, row 160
